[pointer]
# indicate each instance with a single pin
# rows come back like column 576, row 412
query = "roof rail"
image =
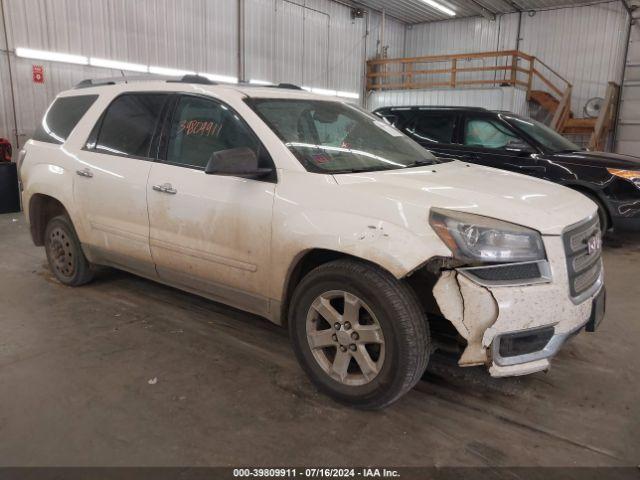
column 88, row 83
column 100, row 82
column 290, row 86
column 433, row 107
column 193, row 79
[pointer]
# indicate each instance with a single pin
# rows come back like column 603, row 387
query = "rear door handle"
column 165, row 188
column 85, row 172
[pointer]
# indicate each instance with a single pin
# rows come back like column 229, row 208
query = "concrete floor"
column 75, row 366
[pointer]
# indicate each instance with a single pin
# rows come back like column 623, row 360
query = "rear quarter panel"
column 49, row 169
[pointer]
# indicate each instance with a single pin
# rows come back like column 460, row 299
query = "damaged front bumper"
column 516, row 328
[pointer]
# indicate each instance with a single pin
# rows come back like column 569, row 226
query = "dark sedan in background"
column 511, row 142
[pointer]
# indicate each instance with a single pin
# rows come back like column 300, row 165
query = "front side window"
column 62, row 117
column 129, row 123
column 488, row 133
column 435, row 128
column 335, row 137
column 201, row 127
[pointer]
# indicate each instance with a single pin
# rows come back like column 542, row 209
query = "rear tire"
column 360, row 335
column 64, row 253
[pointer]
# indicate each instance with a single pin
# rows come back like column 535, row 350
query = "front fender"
column 397, row 250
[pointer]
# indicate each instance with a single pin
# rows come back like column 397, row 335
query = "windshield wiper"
column 421, row 163
column 357, row 170
column 566, row 150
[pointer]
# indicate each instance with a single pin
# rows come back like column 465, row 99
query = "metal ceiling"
column 417, row 11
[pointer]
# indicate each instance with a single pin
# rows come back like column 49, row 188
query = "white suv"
column 317, row 215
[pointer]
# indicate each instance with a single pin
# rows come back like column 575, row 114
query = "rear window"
column 128, row 125
column 62, row 117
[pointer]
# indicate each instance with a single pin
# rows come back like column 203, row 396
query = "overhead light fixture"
column 133, row 67
column 219, row 78
column 253, row 81
column 51, row 56
column 170, row 72
column 440, row 7
column 116, row 65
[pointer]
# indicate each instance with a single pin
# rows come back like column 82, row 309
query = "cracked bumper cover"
column 484, row 314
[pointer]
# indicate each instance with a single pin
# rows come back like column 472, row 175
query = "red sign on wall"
column 38, row 74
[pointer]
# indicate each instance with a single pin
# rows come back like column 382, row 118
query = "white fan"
column 592, row 107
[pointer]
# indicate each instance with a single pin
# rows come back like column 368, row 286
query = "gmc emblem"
column 594, row 243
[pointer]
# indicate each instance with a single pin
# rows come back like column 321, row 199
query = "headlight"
column 633, row 175
column 482, row 239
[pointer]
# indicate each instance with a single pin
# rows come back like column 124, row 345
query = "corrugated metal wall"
column 504, row 98
column 628, row 134
column 308, row 42
column 311, row 42
column 6, row 110
column 465, row 35
column 584, row 44
column 393, row 39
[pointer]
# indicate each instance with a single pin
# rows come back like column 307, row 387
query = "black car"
column 511, row 142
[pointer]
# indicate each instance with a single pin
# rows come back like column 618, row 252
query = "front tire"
column 64, row 253
column 360, row 334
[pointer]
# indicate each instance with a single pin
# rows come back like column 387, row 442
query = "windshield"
column 544, row 135
column 335, row 137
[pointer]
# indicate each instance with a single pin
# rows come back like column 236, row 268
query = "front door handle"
column 85, row 172
column 165, row 188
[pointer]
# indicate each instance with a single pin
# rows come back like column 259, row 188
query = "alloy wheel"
column 345, row 337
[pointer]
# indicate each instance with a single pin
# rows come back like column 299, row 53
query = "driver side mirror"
column 236, row 162
column 519, row 146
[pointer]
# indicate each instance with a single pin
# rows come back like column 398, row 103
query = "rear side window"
column 435, row 128
column 62, row 117
column 128, row 125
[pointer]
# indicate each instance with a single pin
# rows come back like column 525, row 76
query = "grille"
column 521, row 271
column 509, row 273
column 584, row 266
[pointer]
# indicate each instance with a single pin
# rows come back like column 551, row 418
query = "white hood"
column 520, row 199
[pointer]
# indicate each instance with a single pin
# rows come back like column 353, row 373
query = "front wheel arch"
column 603, row 211
column 305, row 263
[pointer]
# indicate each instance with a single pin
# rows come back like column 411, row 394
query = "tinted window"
column 487, row 133
column 436, row 128
column 201, row 127
column 129, row 123
column 63, row 115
